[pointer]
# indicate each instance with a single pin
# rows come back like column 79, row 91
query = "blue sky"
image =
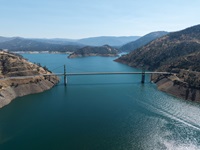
column 89, row 18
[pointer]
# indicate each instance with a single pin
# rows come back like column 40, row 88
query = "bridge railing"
column 88, row 73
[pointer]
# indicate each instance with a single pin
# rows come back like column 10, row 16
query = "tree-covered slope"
column 105, row 50
column 142, row 41
column 21, row 44
column 177, row 52
column 166, row 50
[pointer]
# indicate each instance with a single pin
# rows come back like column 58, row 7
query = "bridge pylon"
column 65, row 76
column 143, row 75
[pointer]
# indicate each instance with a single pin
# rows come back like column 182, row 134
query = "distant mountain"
column 105, row 50
column 92, row 41
column 21, row 44
column 177, row 52
column 107, row 40
column 142, row 41
column 58, row 41
column 5, row 39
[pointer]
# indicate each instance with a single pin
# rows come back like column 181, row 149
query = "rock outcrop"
column 177, row 86
column 13, row 83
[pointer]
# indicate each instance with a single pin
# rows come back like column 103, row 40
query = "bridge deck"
column 113, row 73
column 85, row 73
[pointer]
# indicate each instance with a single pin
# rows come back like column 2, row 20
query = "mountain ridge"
column 90, row 41
column 59, row 44
column 21, row 44
column 177, row 52
column 107, row 40
column 142, row 41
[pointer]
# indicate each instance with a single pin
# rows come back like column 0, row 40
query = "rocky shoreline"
column 11, row 88
column 174, row 86
column 91, row 54
column 178, row 53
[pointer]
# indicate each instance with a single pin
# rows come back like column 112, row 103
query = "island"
column 19, row 77
column 104, row 50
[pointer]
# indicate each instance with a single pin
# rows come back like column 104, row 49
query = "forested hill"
column 177, row 52
column 168, row 52
column 21, row 44
column 142, row 41
column 105, row 50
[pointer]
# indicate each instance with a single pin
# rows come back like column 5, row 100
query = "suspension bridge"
column 65, row 74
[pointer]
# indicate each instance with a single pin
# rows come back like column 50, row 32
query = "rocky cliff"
column 12, row 65
column 177, row 52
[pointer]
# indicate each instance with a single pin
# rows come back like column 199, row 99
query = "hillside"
column 107, row 40
column 94, row 51
column 177, row 52
column 59, row 44
column 142, row 41
column 12, row 65
column 21, row 44
column 59, row 41
column 4, row 39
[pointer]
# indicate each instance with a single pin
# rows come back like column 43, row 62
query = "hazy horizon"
column 83, row 18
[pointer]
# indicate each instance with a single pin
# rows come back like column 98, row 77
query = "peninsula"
column 13, row 83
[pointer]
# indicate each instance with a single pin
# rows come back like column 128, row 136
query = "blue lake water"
column 107, row 112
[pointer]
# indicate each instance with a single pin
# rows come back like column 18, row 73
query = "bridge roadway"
column 85, row 73
column 113, row 73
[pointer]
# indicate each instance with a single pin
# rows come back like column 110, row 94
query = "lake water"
column 108, row 112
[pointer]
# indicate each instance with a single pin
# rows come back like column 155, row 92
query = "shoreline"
column 173, row 85
column 89, row 55
column 12, row 66
column 40, row 52
column 177, row 88
column 25, row 87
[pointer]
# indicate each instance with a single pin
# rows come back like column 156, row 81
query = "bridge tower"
column 143, row 75
column 65, row 76
column 151, row 78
